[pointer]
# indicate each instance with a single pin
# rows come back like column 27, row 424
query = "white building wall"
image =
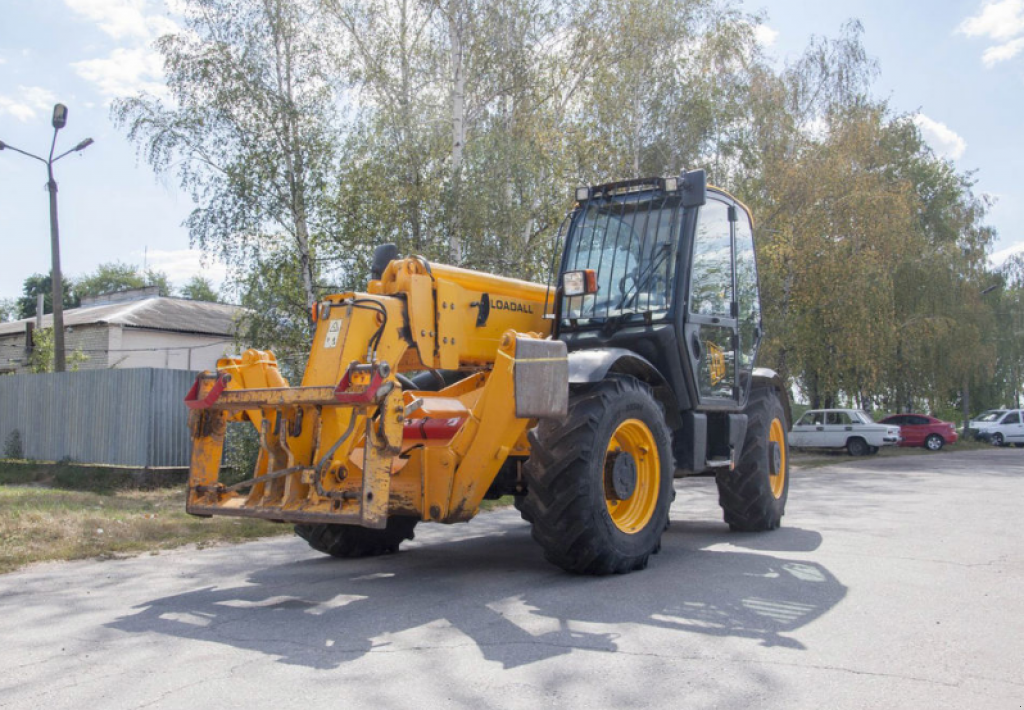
column 172, row 351
column 92, row 341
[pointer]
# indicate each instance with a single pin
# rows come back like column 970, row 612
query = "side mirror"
column 694, row 188
column 382, row 256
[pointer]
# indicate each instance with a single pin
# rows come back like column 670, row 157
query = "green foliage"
column 467, row 123
column 241, row 452
column 41, row 358
column 8, row 310
column 199, row 288
column 39, row 283
column 276, row 312
column 13, row 448
column 252, row 133
column 117, row 276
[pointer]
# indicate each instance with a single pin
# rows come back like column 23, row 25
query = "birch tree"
column 251, row 127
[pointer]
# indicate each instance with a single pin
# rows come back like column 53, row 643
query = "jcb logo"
column 716, row 362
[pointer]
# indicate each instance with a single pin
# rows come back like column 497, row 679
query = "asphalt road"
column 895, row 583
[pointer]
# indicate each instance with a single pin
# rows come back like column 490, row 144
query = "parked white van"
column 999, row 427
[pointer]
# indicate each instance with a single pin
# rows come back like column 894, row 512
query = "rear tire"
column 350, row 541
column 599, row 482
column 752, row 497
column 934, row 442
column 857, row 447
column 1019, row 446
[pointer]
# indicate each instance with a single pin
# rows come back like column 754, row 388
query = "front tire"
column 350, row 541
column 934, row 442
column 997, row 439
column 599, row 482
column 753, row 497
column 857, row 447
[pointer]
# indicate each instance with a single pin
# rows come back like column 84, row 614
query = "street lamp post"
column 60, row 119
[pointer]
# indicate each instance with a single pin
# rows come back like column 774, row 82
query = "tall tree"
column 117, row 276
column 252, row 131
column 199, row 288
column 455, row 146
column 40, row 284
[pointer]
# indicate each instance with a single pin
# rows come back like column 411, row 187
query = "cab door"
column 711, row 332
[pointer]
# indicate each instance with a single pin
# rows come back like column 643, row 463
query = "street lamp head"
column 60, row 116
column 84, row 144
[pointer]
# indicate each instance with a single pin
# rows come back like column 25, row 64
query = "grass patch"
column 65, row 511
column 39, row 524
column 105, row 480
column 812, row 458
column 503, row 502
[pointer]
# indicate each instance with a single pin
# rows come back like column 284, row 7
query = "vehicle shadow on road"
column 496, row 591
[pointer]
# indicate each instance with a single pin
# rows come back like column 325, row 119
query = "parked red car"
column 922, row 430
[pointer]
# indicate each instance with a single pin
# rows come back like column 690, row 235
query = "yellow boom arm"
column 351, row 445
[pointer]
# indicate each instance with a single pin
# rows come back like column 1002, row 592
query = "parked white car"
column 850, row 429
column 999, row 427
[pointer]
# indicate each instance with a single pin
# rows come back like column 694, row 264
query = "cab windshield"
column 991, row 415
column 630, row 241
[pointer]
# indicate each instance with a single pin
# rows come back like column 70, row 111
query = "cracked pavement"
column 894, row 582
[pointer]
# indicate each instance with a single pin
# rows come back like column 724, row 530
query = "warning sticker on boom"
column 332, row 334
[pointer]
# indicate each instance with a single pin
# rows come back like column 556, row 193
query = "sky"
column 957, row 66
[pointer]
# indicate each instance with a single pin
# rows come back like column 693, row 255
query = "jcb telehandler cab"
column 439, row 387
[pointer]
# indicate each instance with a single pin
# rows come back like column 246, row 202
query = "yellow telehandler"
column 439, row 387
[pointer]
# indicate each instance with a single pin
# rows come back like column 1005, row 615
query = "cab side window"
column 1012, row 418
column 747, row 298
column 711, row 282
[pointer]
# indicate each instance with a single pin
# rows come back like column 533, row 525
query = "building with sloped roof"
column 129, row 329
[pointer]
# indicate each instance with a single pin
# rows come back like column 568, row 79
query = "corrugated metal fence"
column 130, row 417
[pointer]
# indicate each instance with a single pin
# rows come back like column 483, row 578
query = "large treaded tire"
column 565, row 481
column 745, row 494
column 354, row 541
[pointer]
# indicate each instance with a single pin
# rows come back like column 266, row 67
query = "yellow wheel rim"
column 634, row 512
column 777, row 435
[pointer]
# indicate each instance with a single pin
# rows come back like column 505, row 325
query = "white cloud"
column 996, row 258
column 182, row 264
column 125, row 72
column 943, row 140
column 998, row 20
column 765, row 35
column 133, row 66
column 1001, row 21
column 1002, row 52
column 30, row 101
column 122, row 18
